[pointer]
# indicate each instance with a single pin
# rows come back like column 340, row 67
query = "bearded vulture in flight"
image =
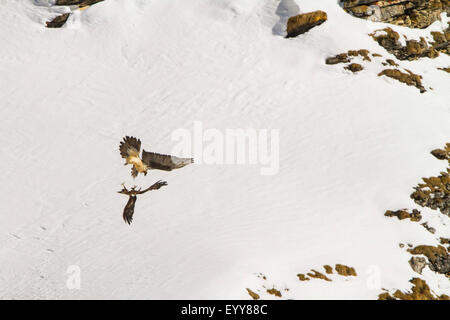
column 128, row 211
column 130, row 148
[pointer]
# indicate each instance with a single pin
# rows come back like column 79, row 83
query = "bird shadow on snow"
column 285, row 10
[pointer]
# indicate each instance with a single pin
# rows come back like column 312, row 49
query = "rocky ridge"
column 412, row 13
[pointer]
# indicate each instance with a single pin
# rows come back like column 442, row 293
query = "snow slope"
column 351, row 147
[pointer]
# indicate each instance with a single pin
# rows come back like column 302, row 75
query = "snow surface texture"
column 351, row 147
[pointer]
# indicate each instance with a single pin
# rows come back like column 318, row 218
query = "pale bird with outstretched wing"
column 130, row 148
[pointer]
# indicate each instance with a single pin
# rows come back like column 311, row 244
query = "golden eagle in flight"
column 128, row 211
column 130, row 148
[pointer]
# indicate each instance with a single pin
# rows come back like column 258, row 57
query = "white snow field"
column 351, row 146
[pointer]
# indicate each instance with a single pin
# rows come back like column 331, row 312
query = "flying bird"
column 128, row 211
column 130, row 148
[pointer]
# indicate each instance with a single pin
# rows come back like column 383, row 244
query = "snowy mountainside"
column 351, row 146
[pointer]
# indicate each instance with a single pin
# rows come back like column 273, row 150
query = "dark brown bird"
column 128, row 211
column 130, row 148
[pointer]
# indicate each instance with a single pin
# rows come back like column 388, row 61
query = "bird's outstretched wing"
column 130, row 147
column 128, row 211
column 164, row 161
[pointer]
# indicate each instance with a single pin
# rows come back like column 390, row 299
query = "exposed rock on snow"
column 413, row 50
column 445, row 241
column 354, row 67
column 345, row 271
column 302, row 277
column 442, row 154
column 404, row 214
column 340, row 58
column 313, row 275
column 410, row 78
column 274, row 292
column 438, row 257
column 434, row 193
column 390, row 62
column 428, row 228
column 318, row 275
column 347, row 57
column 328, row 269
column 413, row 13
column 302, row 23
column 341, row 269
column 418, row 264
column 445, row 69
column 252, row 294
column 419, row 291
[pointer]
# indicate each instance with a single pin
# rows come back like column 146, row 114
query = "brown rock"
column 419, row 291
column 328, row 269
column 404, row 214
column 437, row 256
column 418, row 264
column 413, row 50
column 434, row 192
column 412, row 13
column 409, row 78
column 345, row 270
column 340, row 58
column 302, row 277
column 302, row 23
column 274, row 292
column 252, row 294
column 318, row 275
column 392, row 63
column 354, row 67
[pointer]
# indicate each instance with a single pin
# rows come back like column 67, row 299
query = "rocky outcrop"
column 419, row 291
column 434, row 192
column 348, row 56
column 302, row 23
column 418, row 264
column 317, row 275
column 431, row 194
column 345, row 271
column 274, row 292
column 252, row 294
column 354, row 67
column 408, row 77
column 341, row 270
column 413, row 50
column 438, row 257
column 412, row 13
column 404, row 214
